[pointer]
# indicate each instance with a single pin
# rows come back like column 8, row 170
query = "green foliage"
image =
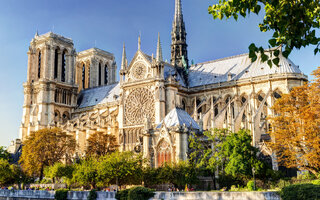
column 227, row 181
column 301, row 192
column 121, row 168
column 306, row 176
column 293, row 24
column 179, row 174
column 316, row 182
column 229, row 152
column 4, row 154
column 86, row 173
column 116, row 168
column 59, row 171
column 250, row 185
column 92, row 195
column 241, row 154
column 122, row 195
column 283, row 183
column 6, row 174
column 61, row 194
column 150, row 176
column 140, row 193
column 135, row 193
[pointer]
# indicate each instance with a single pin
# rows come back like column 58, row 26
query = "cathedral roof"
column 236, row 68
column 98, row 95
column 179, row 117
column 169, row 70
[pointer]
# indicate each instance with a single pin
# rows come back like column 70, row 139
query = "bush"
column 250, row 185
column 306, row 176
column 301, row 192
column 61, row 194
column 316, row 182
column 122, row 195
column 140, row 193
column 92, row 195
column 135, row 193
column 283, row 183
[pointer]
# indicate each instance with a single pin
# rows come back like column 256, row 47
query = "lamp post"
column 254, row 178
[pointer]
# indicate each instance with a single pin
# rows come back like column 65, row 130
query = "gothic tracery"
column 139, row 105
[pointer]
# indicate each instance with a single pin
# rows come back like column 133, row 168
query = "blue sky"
column 106, row 24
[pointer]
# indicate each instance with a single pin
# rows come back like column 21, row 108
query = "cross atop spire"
column 159, row 50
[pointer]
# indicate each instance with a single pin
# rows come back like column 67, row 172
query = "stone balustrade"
column 82, row 195
column 48, row 195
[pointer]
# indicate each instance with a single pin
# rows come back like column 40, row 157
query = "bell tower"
column 50, row 92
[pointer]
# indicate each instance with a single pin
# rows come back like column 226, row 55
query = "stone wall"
column 48, row 195
column 216, row 196
column 77, row 195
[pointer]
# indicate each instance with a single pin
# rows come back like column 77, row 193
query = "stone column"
column 59, row 64
column 52, row 64
column 30, row 72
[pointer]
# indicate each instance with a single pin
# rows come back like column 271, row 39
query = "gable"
column 139, row 68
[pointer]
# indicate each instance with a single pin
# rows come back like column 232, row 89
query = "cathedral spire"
column 178, row 12
column 139, row 42
column 179, row 52
column 124, row 58
column 159, row 50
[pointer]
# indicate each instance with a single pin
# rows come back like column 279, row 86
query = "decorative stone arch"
column 227, row 98
column 163, row 152
column 39, row 63
column 184, row 103
column 57, row 116
column 243, row 99
column 65, row 117
column 277, row 93
column 64, row 65
column 57, row 52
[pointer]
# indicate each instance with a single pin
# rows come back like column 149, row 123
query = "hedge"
column 301, row 192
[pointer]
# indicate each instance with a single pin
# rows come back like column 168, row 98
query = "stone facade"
column 156, row 105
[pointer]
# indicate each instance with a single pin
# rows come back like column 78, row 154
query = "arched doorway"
column 163, row 153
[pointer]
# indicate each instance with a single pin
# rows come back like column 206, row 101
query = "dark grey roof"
column 169, row 70
column 179, row 117
column 93, row 96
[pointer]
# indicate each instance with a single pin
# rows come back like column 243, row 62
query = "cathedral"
column 156, row 105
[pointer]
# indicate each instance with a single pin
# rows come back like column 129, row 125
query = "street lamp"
column 254, row 179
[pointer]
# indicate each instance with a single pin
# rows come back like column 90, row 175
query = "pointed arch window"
column 63, row 67
column 83, row 75
column 56, row 63
column 100, row 74
column 39, row 65
column 106, row 74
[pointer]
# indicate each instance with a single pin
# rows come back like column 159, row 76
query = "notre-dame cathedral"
column 155, row 105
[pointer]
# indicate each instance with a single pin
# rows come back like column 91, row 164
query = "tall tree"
column 100, row 144
column 241, row 155
column 44, row 148
column 86, row 172
column 293, row 23
column 296, row 127
column 121, row 168
column 225, row 151
column 6, row 174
